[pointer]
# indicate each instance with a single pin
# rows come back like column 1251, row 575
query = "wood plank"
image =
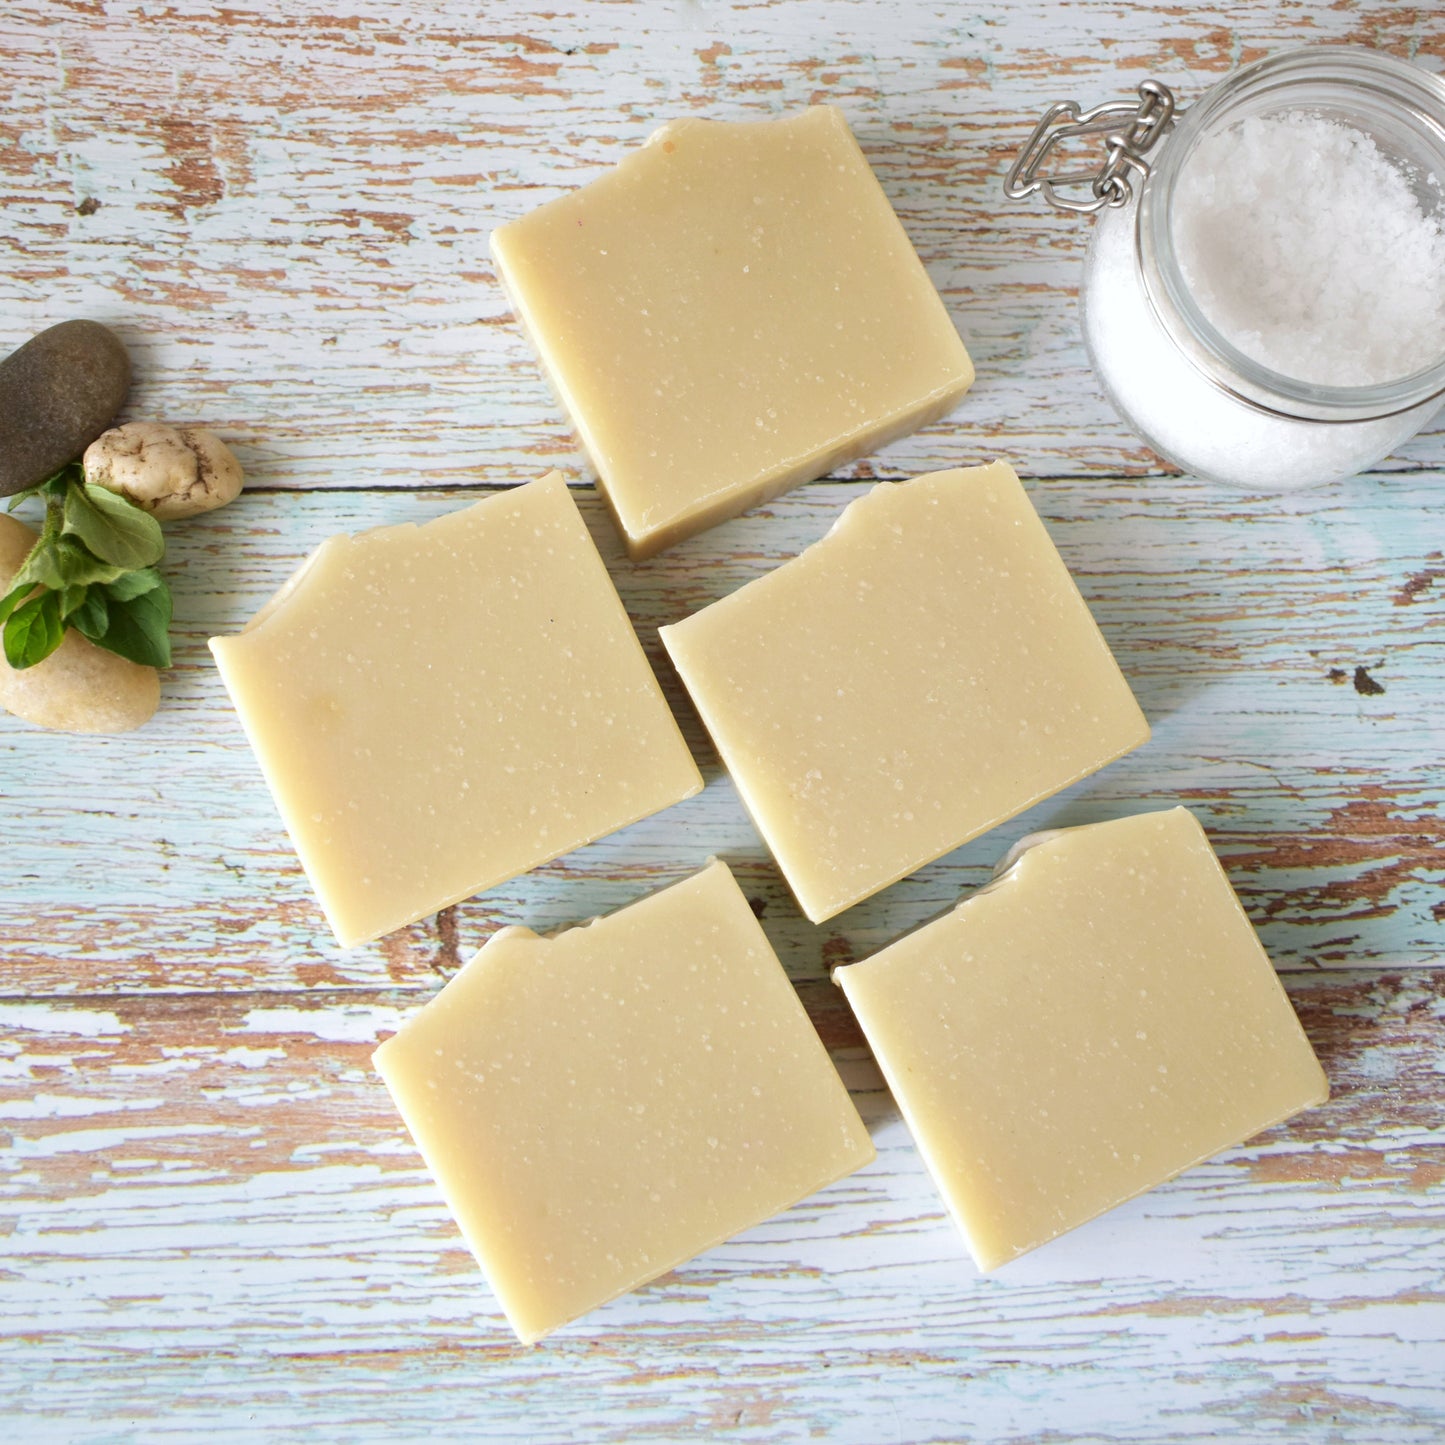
column 287, row 217
column 214, row 1214
column 157, row 861
column 210, row 1216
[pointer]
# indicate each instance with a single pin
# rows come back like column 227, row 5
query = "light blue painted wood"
column 293, row 213
column 1324, row 802
column 210, row 1217
column 240, row 1234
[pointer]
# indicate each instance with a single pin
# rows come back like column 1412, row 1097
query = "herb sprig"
column 93, row 569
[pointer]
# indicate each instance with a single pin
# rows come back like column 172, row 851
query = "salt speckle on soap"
column 1310, row 251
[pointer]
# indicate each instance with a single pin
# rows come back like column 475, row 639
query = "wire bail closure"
column 1129, row 129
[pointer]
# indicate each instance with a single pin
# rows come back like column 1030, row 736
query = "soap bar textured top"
column 600, row 1106
column 923, row 673
column 1098, row 1019
column 439, row 708
column 732, row 310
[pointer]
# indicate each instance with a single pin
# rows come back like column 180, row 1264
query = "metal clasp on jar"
column 1129, row 129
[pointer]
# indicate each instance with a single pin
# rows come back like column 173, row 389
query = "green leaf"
column 95, row 561
column 70, row 599
column 12, row 599
column 59, row 482
column 60, row 562
column 114, row 529
column 41, row 567
column 34, row 630
column 92, row 617
column 139, row 626
column 79, row 565
column 55, row 485
column 133, row 584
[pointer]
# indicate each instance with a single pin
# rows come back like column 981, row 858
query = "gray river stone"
column 58, row 392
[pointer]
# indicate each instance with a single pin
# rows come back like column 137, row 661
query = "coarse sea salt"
column 1295, row 272
column 1310, row 251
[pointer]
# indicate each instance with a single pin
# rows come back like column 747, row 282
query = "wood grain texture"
column 210, row 1215
column 1323, row 800
column 243, row 1212
column 285, row 210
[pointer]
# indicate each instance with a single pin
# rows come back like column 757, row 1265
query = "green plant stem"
column 54, row 516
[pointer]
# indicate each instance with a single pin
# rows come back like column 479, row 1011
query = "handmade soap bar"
column 730, row 311
column 924, row 672
column 600, row 1106
column 439, row 708
column 1096, row 1020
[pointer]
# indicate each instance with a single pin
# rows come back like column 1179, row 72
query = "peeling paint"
column 352, row 1024
column 49, row 1018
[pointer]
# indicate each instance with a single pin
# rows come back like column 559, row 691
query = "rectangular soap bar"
column 438, row 708
column 1096, row 1020
column 923, row 673
column 730, row 311
column 600, row 1106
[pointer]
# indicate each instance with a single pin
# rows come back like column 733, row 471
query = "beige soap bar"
column 924, row 672
column 600, row 1106
column 730, row 311
column 1095, row 1021
column 439, row 708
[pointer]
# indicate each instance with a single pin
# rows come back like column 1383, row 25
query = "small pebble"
column 170, row 471
column 58, row 392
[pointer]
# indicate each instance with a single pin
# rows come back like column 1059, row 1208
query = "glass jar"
column 1180, row 383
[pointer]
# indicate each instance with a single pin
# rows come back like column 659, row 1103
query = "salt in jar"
column 1264, row 298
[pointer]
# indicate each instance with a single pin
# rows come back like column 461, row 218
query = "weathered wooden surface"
column 237, row 1231
column 210, row 1216
column 285, row 209
column 1324, row 800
